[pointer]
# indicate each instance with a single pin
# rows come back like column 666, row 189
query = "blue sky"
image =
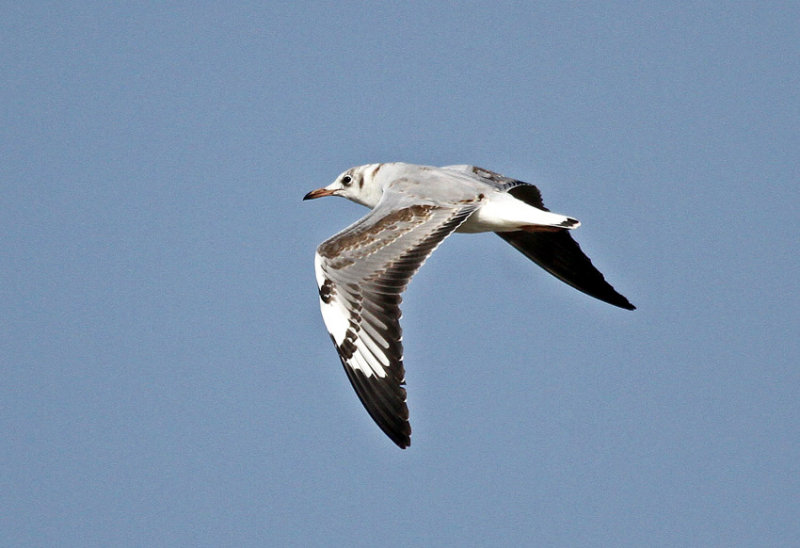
column 167, row 379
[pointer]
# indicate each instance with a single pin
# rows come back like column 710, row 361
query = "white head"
column 357, row 184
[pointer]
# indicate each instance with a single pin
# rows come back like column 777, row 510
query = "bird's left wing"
column 361, row 273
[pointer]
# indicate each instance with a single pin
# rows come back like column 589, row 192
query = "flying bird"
column 362, row 271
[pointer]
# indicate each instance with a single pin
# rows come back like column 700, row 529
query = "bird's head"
column 357, row 184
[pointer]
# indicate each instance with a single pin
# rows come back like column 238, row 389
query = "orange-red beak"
column 319, row 193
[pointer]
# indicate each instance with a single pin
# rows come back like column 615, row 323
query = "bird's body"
column 362, row 270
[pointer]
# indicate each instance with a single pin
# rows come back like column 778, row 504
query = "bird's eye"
column 347, row 180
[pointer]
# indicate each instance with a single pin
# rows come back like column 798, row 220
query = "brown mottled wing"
column 560, row 255
column 361, row 273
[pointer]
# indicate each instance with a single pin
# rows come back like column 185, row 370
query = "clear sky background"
column 166, row 376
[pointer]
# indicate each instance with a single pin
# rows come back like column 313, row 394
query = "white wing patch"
column 334, row 312
column 368, row 355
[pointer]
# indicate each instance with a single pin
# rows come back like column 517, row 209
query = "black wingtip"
column 561, row 256
column 614, row 298
column 608, row 294
column 626, row 306
column 385, row 403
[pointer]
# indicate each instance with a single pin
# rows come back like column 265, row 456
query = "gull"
column 362, row 271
